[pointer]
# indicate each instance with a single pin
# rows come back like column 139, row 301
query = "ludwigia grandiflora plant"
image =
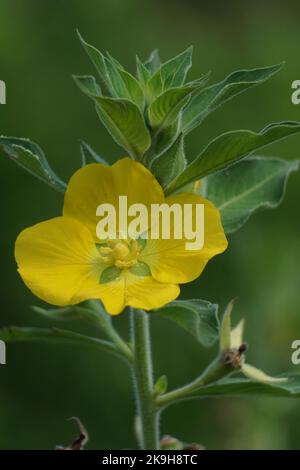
column 64, row 263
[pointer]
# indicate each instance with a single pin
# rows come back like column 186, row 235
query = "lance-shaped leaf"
column 152, row 64
column 229, row 148
column 197, row 317
column 142, row 72
column 233, row 386
column 88, row 153
column 258, row 182
column 31, row 158
column 174, row 71
column 91, row 312
column 125, row 123
column 100, row 63
column 119, row 82
column 133, row 90
column 171, row 74
column 214, row 96
column 56, row 335
column 166, row 108
column 170, row 163
column 88, row 85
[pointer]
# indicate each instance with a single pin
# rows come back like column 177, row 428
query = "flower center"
column 120, row 253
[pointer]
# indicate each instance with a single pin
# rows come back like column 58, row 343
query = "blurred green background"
column 42, row 385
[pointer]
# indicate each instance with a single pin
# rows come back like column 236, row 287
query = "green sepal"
column 140, row 269
column 109, row 274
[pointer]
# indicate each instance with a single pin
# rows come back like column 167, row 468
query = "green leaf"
column 170, row 75
column 239, row 386
column 257, row 182
column 88, row 153
column 166, row 108
column 56, row 335
column 152, row 64
column 214, row 96
column 114, row 61
column 31, row 158
column 134, row 90
column 88, row 85
column 100, row 63
column 170, row 163
column 197, row 317
column 229, row 148
column 91, row 311
column 154, row 87
column 125, row 123
column 142, row 72
column 161, row 385
column 174, row 71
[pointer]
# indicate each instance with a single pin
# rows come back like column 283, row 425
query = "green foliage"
column 172, row 107
column 88, row 85
column 170, row 163
column 229, row 148
column 166, row 108
column 91, row 312
column 161, row 385
column 55, row 335
column 239, row 386
column 214, row 96
column 197, row 317
column 125, row 124
column 254, row 183
column 31, row 158
column 88, row 153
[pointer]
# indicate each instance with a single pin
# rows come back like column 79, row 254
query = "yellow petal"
column 59, row 262
column 146, row 293
column 97, row 184
column 170, row 261
column 136, row 291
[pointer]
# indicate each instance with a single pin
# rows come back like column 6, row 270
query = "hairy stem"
column 143, row 380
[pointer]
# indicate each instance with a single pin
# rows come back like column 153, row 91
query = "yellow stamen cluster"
column 120, row 253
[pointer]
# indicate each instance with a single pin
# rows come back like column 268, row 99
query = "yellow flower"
column 63, row 262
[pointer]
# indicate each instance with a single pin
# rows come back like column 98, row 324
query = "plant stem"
column 143, row 380
column 105, row 324
column 215, row 371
